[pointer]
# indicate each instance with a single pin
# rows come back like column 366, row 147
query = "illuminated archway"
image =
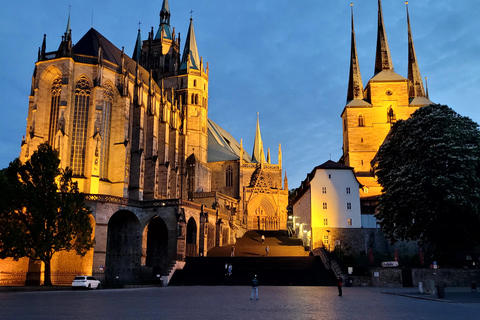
column 262, row 214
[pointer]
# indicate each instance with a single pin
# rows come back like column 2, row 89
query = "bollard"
column 420, row 287
column 441, row 291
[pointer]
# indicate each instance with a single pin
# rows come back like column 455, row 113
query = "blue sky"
column 287, row 60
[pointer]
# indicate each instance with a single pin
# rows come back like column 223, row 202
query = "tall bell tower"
column 371, row 111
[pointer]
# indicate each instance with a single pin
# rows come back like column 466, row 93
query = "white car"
column 87, row 282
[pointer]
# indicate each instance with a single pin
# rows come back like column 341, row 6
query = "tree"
column 429, row 169
column 42, row 212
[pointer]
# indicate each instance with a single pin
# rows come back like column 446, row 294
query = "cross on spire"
column 139, row 23
column 191, row 14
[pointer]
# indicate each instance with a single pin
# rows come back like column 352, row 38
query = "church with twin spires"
column 163, row 180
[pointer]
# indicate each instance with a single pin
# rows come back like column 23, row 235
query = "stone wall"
column 448, row 277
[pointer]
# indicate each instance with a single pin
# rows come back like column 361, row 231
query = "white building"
column 327, row 201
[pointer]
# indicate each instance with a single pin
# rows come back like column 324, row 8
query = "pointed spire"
column 164, row 22
column 44, row 46
column 414, row 77
column 257, row 154
column 280, row 155
column 268, row 156
column 426, row 86
column 137, row 51
column 190, row 56
column 68, row 32
column 355, row 85
column 383, row 60
column 285, row 181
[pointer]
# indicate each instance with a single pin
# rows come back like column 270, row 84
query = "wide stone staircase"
column 287, row 264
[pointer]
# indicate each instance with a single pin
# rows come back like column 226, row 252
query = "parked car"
column 86, row 282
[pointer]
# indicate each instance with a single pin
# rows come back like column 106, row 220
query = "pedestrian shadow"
column 251, row 254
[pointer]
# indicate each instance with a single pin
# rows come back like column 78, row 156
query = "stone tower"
column 371, row 111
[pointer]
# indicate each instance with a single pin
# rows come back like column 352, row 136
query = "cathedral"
column 370, row 111
column 163, row 180
column 335, row 205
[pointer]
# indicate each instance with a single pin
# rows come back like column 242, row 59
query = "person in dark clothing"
column 254, row 288
column 339, row 285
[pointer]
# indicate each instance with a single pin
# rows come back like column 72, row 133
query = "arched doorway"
column 123, row 249
column 262, row 214
column 191, row 243
column 157, row 246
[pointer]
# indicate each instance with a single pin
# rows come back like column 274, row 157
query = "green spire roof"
column 190, row 50
column 137, row 52
column 164, row 22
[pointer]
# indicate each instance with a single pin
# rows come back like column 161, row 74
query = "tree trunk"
column 48, row 273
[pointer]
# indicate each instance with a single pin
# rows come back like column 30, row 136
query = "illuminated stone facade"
column 162, row 180
column 371, row 111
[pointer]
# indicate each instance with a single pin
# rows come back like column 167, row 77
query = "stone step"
column 273, row 271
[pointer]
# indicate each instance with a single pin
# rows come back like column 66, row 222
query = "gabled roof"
column 328, row 165
column 222, row 146
column 358, row 103
column 388, row 75
column 88, row 46
column 420, row 101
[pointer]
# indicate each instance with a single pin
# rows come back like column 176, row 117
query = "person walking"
column 254, row 288
column 267, row 250
column 339, row 285
column 232, row 252
column 263, row 239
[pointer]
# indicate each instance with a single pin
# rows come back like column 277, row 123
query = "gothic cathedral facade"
column 163, row 180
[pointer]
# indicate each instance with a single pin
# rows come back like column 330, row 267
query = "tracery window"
column 229, row 176
column 105, row 130
column 79, row 130
column 54, row 109
column 361, row 122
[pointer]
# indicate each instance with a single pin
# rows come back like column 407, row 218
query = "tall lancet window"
column 79, row 132
column 105, row 130
column 54, row 107
column 361, row 122
column 229, row 177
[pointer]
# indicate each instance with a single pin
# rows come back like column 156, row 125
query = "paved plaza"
column 221, row 302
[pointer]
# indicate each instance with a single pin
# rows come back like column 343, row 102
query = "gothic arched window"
column 79, row 130
column 361, row 122
column 105, row 130
column 229, row 176
column 54, row 108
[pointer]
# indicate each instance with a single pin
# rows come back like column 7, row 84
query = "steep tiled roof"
column 222, row 146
